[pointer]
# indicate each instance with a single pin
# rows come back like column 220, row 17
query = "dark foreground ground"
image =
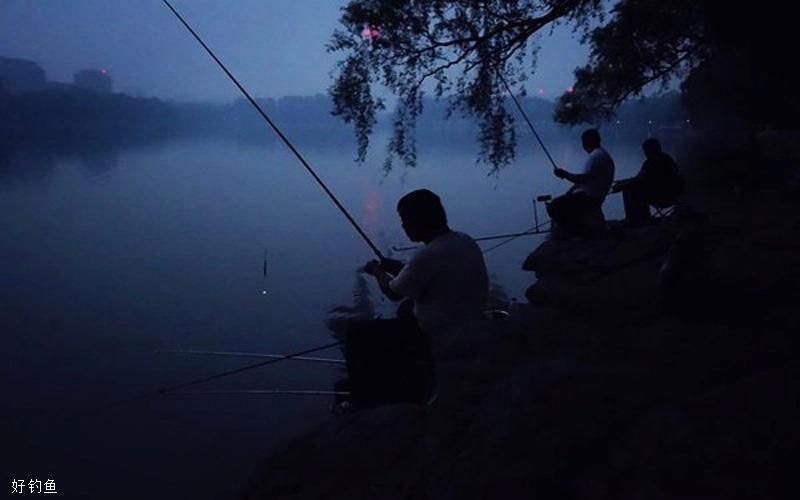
column 652, row 363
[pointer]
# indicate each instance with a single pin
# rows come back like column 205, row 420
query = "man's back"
column 600, row 168
column 661, row 176
column 447, row 279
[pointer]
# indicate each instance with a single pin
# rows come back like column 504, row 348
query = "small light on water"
column 263, row 292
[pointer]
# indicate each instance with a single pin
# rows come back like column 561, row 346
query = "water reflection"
column 167, row 253
column 369, row 214
column 99, row 163
column 25, row 166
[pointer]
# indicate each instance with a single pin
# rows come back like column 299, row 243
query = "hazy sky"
column 274, row 47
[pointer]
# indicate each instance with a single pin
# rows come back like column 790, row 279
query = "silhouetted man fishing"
column 445, row 285
column 574, row 211
column 658, row 183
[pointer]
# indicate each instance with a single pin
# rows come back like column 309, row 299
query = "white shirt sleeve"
column 413, row 279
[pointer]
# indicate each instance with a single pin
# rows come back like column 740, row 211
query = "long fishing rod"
column 277, row 131
column 172, row 388
column 237, row 354
column 525, row 116
column 530, row 231
column 484, row 238
column 268, row 392
column 533, row 230
column 84, row 414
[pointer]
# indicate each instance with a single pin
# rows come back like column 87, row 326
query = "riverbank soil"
column 656, row 362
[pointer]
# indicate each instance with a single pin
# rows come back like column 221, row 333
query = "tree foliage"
column 467, row 50
column 731, row 61
column 460, row 49
column 644, row 43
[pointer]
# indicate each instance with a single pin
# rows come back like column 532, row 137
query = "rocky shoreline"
column 656, row 362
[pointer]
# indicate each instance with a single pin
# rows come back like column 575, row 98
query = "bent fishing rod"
column 527, row 120
column 277, row 131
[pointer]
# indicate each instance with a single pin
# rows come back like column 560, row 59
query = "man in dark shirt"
column 658, row 183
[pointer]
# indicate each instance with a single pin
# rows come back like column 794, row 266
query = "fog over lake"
column 108, row 255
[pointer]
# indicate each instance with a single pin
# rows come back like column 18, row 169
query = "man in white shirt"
column 447, row 281
column 446, row 278
column 574, row 210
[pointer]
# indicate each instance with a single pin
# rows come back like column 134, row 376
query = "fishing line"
column 277, row 131
column 525, row 116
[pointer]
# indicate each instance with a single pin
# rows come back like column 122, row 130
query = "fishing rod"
column 251, row 355
column 485, row 238
column 269, row 392
column 525, row 116
column 530, row 231
column 533, row 230
column 277, row 131
column 111, row 405
column 84, row 414
column 175, row 387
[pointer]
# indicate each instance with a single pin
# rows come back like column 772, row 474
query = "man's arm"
column 392, row 266
column 573, row 178
column 621, row 184
column 383, row 278
column 624, row 183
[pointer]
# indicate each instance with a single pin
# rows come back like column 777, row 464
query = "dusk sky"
column 275, row 48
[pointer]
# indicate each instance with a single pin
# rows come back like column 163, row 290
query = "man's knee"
column 556, row 208
column 365, row 336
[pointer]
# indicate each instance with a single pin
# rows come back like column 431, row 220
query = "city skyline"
column 146, row 51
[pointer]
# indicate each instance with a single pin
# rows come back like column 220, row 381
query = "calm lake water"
column 107, row 257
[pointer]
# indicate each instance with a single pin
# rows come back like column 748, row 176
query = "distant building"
column 21, row 75
column 92, row 79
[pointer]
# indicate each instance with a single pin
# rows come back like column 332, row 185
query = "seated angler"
column 576, row 210
column 445, row 285
column 658, row 183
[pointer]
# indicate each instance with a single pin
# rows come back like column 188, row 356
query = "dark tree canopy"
column 465, row 50
column 732, row 61
column 643, row 43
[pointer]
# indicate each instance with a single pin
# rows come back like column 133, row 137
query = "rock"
column 348, row 453
column 538, row 294
column 780, row 145
column 577, row 258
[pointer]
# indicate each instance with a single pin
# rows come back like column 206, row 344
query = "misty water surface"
column 108, row 256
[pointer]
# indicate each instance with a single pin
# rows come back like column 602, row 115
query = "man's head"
column 590, row 139
column 651, row 147
column 422, row 214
